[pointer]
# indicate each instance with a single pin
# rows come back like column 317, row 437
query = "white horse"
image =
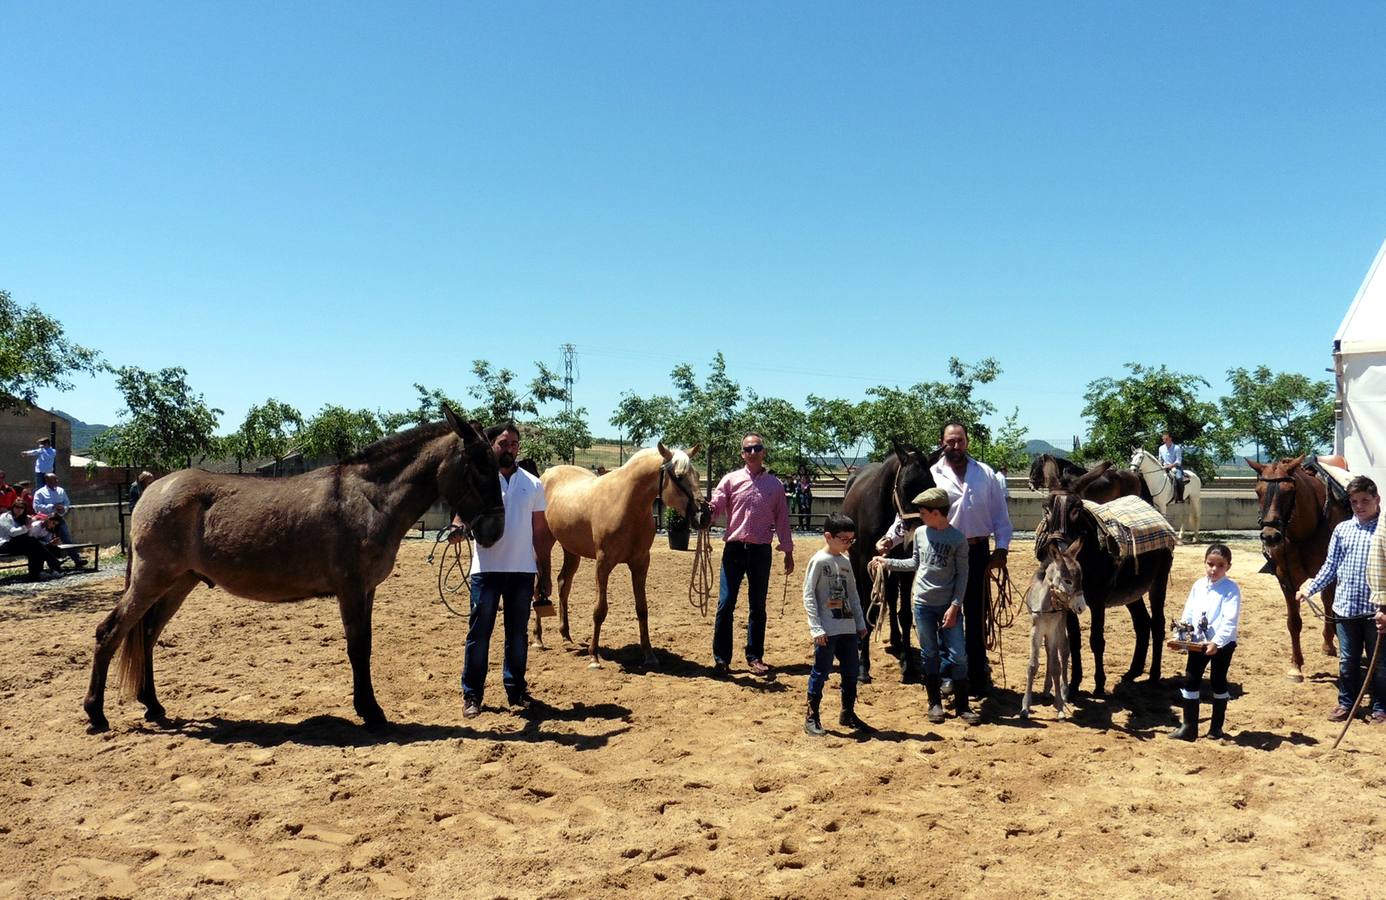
column 1161, row 486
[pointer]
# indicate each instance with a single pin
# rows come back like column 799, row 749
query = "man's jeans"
column 751, row 562
column 1356, row 637
column 928, row 624
column 844, row 647
column 489, row 589
column 66, row 537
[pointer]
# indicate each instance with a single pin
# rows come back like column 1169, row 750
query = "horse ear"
column 664, row 451
column 1294, row 462
column 901, row 452
column 694, row 451
column 467, row 431
column 1257, row 466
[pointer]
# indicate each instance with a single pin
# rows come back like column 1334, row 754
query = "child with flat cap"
column 939, row 564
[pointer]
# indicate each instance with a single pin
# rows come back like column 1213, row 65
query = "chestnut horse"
column 610, row 519
column 1297, row 519
column 331, row 531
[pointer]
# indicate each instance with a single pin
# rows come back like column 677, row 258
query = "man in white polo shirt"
column 505, row 573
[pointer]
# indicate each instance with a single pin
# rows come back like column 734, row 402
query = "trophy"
column 1187, row 636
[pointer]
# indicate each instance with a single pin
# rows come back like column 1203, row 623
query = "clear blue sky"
column 326, row 202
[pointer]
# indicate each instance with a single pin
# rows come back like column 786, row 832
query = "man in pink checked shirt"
column 754, row 502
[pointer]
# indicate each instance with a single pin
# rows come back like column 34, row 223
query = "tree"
column 834, row 428
column 642, row 418
column 168, row 427
column 1006, row 449
column 1281, row 414
column 557, row 438
column 35, row 354
column 269, row 430
column 917, row 415
column 339, row 432
column 783, row 425
column 1132, row 411
column 429, row 408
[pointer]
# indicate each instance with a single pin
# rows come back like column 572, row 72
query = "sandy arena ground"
column 662, row 783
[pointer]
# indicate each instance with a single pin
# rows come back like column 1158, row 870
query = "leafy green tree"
column 834, row 427
column 339, row 432
column 428, row 408
column 269, row 430
column 783, row 425
column 168, row 426
column 1282, row 414
column 917, row 415
column 643, row 418
column 557, row 438
column 34, row 354
column 1006, row 447
column 1132, row 411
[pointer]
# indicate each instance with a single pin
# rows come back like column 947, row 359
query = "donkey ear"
column 694, row 451
column 1259, row 467
column 664, row 451
column 1075, row 548
column 465, row 430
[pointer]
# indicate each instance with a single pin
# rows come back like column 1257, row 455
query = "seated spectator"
column 14, row 531
column 22, row 489
column 7, row 492
column 137, row 488
column 51, row 500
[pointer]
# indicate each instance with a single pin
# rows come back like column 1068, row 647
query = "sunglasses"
column 753, row 448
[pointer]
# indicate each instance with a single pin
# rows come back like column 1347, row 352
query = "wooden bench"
column 12, row 561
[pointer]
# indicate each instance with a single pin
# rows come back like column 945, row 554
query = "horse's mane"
column 390, row 446
column 681, row 462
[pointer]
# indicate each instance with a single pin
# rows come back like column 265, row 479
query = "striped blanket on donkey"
column 1129, row 527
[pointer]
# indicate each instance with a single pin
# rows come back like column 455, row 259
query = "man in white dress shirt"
column 977, row 509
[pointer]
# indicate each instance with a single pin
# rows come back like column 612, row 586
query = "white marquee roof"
column 1364, row 327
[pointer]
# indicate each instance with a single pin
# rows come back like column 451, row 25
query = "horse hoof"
column 652, row 661
column 98, row 725
column 1025, row 714
column 594, row 664
column 155, row 714
column 1063, row 716
column 1295, row 675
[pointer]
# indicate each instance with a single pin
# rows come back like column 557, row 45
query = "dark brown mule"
column 1102, row 483
column 332, row 531
column 1297, row 519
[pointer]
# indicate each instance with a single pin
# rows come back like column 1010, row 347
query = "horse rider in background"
column 1172, row 458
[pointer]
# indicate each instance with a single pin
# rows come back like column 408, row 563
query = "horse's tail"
column 139, row 643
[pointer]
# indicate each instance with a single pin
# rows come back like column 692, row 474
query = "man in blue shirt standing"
column 45, row 460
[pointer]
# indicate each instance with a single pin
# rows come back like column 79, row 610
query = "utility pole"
column 569, row 352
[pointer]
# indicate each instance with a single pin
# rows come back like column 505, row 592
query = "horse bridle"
column 1160, row 467
column 666, row 470
column 895, row 498
column 1273, row 491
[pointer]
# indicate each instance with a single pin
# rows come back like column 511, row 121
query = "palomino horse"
column 1107, row 583
column 1297, row 519
column 610, row 519
column 1161, row 486
column 1102, row 483
column 875, row 495
column 331, row 531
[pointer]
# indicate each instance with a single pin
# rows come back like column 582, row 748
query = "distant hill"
column 1035, row 448
column 82, row 433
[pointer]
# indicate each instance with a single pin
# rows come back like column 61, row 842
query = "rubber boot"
column 1219, row 714
column 933, row 688
column 1189, row 730
column 849, row 719
column 1179, row 490
column 864, row 655
column 960, row 705
column 812, row 724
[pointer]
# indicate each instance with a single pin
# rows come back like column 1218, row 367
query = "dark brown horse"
column 875, row 495
column 1107, row 582
column 1297, row 519
column 1102, row 483
column 332, row 531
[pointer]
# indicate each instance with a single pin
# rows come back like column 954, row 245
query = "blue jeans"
column 751, row 562
column 66, row 537
column 844, row 647
column 1356, row 637
column 516, row 589
column 928, row 624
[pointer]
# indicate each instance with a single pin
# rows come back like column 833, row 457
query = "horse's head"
column 912, row 477
column 1138, row 458
column 469, row 481
column 1062, row 576
column 1038, row 481
column 1276, row 491
column 679, row 483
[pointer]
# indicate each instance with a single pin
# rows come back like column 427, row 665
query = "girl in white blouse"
column 1213, row 608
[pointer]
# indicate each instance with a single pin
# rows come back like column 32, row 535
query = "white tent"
column 1359, row 360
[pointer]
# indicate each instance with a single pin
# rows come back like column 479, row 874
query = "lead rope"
column 446, row 584
column 1001, row 607
column 1371, row 668
column 878, row 599
column 700, row 579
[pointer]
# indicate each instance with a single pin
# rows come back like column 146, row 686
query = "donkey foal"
column 1056, row 589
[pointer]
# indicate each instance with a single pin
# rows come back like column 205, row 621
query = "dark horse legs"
column 356, row 621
